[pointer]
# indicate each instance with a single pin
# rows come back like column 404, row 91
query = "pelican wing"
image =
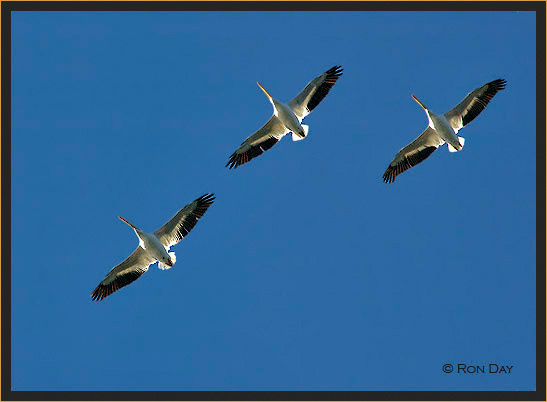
column 123, row 274
column 184, row 221
column 315, row 91
column 473, row 104
column 265, row 138
column 413, row 153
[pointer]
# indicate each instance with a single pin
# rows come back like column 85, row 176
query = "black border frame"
column 8, row 6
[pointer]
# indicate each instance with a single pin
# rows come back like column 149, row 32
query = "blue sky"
column 308, row 272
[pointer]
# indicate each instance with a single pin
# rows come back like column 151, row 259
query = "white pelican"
column 153, row 247
column 287, row 118
column 443, row 128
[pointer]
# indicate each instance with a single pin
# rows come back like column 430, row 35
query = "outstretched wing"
column 265, row 138
column 123, row 274
column 184, row 221
column 474, row 103
column 315, row 91
column 413, row 153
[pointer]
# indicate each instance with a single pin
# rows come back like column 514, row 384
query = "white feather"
column 173, row 256
column 161, row 265
column 297, row 137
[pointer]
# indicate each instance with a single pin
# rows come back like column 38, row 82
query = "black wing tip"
column 206, row 199
column 322, row 90
column 501, row 80
column 100, row 293
column 103, row 291
column 406, row 163
column 238, row 159
column 498, row 84
column 483, row 99
column 234, row 161
column 335, row 71
column 203, row 203
column 389, row 175
column 333, row 74
column 201, row 206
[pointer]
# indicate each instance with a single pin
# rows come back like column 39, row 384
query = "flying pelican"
column 153, row 247
column 287, row 117
column 443, row 128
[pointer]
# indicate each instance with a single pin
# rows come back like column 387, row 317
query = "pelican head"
column 167, row 261
column 129, row 223
column 419, row 103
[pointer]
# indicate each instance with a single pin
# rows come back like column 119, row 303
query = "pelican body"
column 286, row 118
column 150, row 243
column 443, row 128
column 285, row 114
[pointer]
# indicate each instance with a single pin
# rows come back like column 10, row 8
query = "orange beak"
column 266, row 92
column 126, row 221
column 419, row 103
